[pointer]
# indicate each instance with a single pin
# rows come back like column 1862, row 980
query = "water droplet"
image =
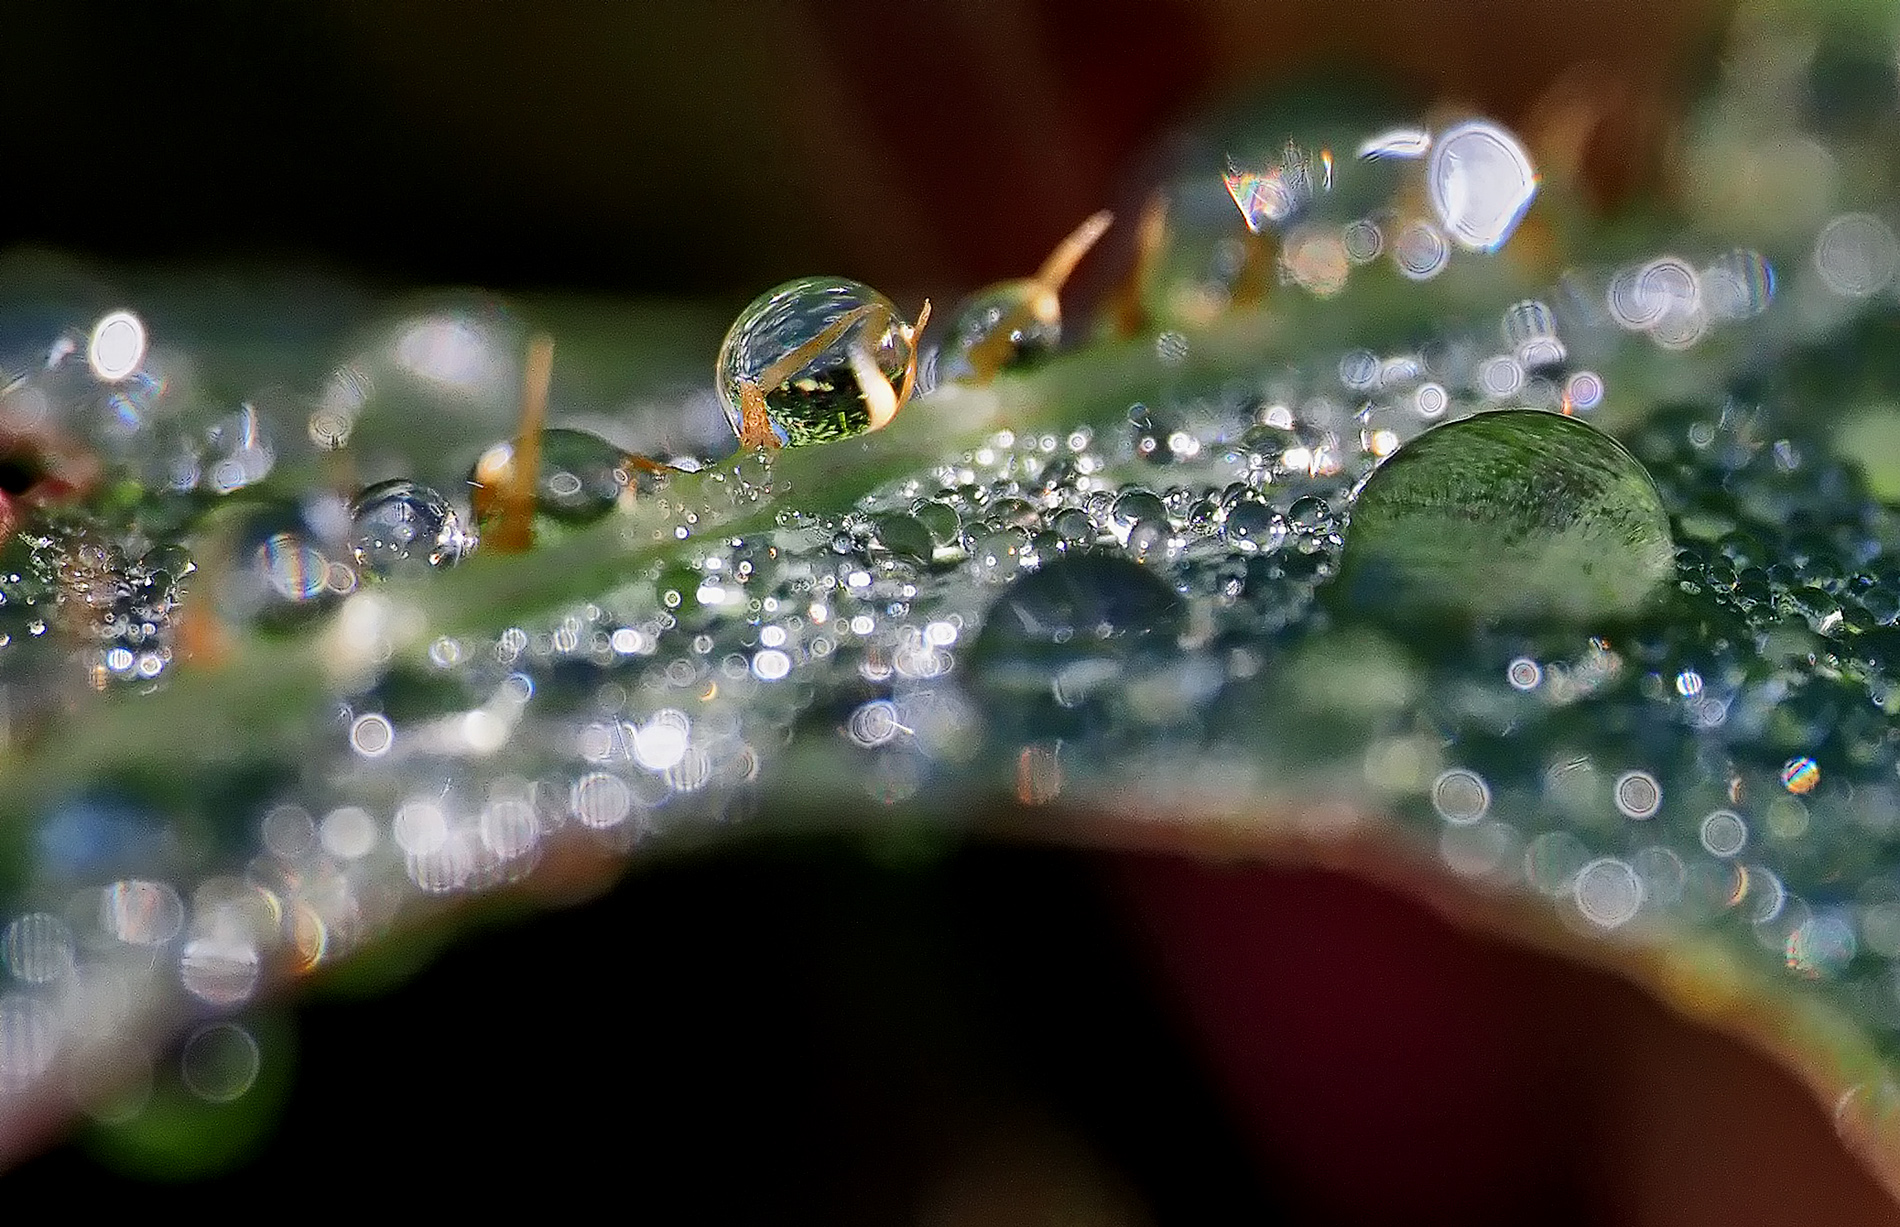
column 38, row 947
column 219, row 1063
column 1800, row 775
column 817, row 350
column 1310, row 516
column 1136, row 507
column 1513, row 514
column 1480, row 181
column 402, row 527
column 1251, row 525
column 582, row 478
column 941, row 519
column 1856, row 255
column 1421, row 251
column 1073, row 527
column 1058, row 636
column 1000, row 554
column 1882, row 603
column 905, row 536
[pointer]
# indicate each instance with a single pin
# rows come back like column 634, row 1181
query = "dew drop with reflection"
column 403, row 528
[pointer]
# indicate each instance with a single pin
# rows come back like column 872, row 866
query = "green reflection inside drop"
column 1507, row 516
column 800, row 344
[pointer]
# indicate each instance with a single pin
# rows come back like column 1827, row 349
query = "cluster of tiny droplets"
column 1729, row 765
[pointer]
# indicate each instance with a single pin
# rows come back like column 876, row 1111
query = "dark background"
column 721, row 146
column 805, row 1032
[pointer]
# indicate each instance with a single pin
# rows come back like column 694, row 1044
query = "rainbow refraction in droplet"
column 1279, row 190
column 1800, row 775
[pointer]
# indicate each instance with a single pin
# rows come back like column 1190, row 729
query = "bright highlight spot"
column 117, row 346
column 1608, row 892
column 1461, row 796
column 1396, row 143
column 1480, row 181
column 1800, row 775
column 372, row 735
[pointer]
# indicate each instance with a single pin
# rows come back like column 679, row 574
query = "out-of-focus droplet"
column 117, row 346
column 1058, row 636
column 38, row 947
column 1724, row 833
column 1396, row 143
column 1637, row 795
column 1018, row 323
column 582, row 477
column 1479, row 181
column 1608, row 892
column 1583, row 391
column 219, row 971
column 1738, row 285
column 1315, row 258
column 220, row 1062
column 141, row 912
column 1420, row 251
column 1856, row 255
column 1461, row 796
column 1027, row 312
column 1278, row 192
column 238, row 453
column 292, row 568
column 1530, row 329
column 1800, row 775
